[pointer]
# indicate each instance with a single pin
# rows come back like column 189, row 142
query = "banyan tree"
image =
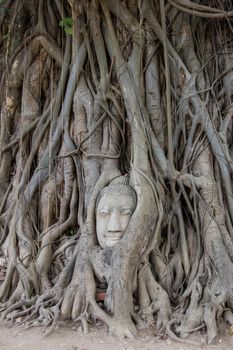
column 116, row 164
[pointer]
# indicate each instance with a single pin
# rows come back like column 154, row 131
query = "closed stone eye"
column 126, row 212
column 104, row 212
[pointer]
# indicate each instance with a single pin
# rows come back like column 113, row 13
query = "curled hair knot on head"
column 119, row 185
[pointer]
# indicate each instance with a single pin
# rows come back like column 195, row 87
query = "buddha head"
column 115, row 206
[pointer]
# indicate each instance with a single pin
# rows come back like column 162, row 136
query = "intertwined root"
column 91, row 90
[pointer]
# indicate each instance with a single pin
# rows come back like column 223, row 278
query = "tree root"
column 174, row 337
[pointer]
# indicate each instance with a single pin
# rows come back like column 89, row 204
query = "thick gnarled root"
column 154, row 300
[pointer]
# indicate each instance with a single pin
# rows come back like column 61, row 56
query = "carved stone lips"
column 114, row 236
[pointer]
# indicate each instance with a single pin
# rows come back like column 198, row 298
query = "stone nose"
column 114, row 224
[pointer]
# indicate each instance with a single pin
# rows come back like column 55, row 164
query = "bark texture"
column 91, row 90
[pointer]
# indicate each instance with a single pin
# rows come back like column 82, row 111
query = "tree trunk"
column 128, row 98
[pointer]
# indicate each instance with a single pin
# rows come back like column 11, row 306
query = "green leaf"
column 67, row 24
column 68, row 21
column 69, row 30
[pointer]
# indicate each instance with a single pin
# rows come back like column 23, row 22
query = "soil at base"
column 72, row 338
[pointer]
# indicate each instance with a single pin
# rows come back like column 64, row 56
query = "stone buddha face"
column 113, row 212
